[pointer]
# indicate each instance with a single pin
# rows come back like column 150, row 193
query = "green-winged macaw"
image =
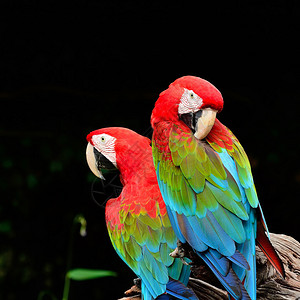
column 205, row 179
column 137, row 221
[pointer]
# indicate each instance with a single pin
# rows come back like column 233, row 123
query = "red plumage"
column 188, row 144
column 210, row 95
column 137, row 220
column 266, row 247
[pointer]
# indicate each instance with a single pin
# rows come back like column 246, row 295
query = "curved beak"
column 200, row 122
column 205, row 123
column 92, row 162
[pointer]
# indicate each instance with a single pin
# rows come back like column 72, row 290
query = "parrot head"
column 114, row 148
column 191, row 100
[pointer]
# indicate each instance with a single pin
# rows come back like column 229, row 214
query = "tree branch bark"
column 270, row 285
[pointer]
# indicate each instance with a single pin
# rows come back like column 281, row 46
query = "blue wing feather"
column 222, row 234
column 247, row 249
column 212, row 234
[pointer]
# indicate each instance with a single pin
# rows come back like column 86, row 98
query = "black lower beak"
column 103, row 162
column 191, row 119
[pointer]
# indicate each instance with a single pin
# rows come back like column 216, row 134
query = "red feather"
column 267, row 248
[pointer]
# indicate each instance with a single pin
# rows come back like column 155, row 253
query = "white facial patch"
column 189, row 102
column 105, row 144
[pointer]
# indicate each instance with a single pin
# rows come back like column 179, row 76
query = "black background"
column 69, row 67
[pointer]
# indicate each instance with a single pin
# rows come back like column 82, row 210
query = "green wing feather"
column 237, row 152
column 195, row 182
column 144, row 244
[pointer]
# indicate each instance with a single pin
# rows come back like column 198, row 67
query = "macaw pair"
column 199, row 190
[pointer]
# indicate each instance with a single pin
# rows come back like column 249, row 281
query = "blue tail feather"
column 247, row 249
column 179, row 291
column 230, row 281
column 165, row 297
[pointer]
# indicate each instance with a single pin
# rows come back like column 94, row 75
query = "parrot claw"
column 137, row 282
column 179, row 253
column 184, row 262
column 175, row 253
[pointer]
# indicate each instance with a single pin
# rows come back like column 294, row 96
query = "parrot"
column 205, row 179
column 137, row 220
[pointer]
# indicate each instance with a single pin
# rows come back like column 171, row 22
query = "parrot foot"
column 184, row 262
column 175, row 253
column 137, row 282
column 179, row 252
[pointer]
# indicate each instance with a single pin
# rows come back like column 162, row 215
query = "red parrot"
column 137, row 220
column 206, row 182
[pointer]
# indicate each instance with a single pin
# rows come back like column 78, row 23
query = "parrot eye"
column 192, row 95
column 105, row 144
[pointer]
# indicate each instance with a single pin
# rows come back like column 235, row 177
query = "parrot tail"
column 177, row 290
column 267, row 248
column 221, row 267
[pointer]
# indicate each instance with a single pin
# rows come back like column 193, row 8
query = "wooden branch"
column 270, row 285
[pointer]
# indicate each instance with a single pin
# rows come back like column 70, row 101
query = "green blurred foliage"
column 88, row 274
